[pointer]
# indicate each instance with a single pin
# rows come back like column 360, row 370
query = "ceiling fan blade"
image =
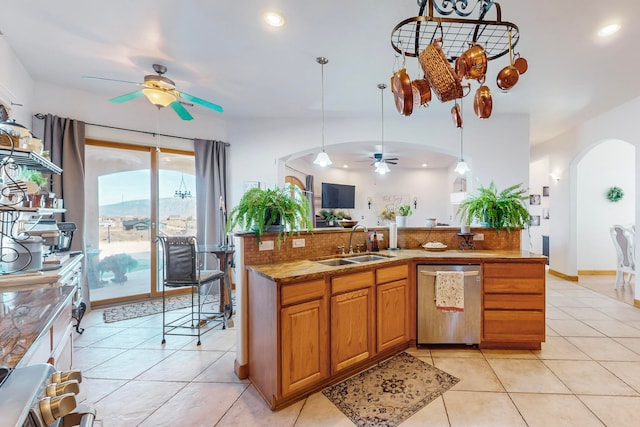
column 200, row 101
column 127, row 97
column 180, row 110
column 110, row 80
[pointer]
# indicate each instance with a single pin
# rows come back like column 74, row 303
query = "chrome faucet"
column 351, row 236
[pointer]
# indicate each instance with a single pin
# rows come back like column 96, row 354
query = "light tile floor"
column 587, row 374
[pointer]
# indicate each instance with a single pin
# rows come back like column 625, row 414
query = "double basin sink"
column 351, row 260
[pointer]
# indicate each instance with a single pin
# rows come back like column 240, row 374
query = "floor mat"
column 147, row 308
column 390, row 392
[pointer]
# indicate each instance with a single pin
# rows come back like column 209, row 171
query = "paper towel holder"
column 393, row 237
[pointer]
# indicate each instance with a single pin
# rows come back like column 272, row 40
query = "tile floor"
column 587, row 374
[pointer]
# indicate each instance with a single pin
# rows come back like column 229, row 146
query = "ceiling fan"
column 162, row 92
column 377, row 157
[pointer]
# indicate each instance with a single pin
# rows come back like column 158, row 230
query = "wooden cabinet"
column 352, row 319
column 392, row 306
column 513, row 305
column 304, row 335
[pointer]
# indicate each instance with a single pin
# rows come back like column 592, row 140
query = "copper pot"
column 507, row 78
column 521, row 65
column 475, row 62
column 482, row 102
column 421, row 92
column 456, row 116
column 402, row 92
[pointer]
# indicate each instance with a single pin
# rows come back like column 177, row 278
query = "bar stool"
column 181, row 269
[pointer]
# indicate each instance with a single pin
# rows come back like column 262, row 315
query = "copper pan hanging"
column 421, row 92
column 402, row 91
column 482, row 102
column 509, row 75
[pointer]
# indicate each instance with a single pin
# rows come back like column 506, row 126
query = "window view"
column 123, row 202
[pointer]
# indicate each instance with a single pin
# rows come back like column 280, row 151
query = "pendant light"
column 382, row 167
column 462, row 167
column 322, row 159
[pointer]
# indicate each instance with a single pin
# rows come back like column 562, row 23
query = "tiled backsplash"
column 324, row 242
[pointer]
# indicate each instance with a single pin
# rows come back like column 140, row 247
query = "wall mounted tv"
column 338, row 196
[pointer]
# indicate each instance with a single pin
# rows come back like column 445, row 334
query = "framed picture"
column 545, row 191
column 545, row 213
column 534, row 199
column 534, row 220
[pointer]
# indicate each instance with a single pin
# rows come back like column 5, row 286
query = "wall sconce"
column 369, row 201
column 415, row 203
column 555, row 177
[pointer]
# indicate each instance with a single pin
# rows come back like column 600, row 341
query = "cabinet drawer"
column 513, row 325
column 304, row 291
column 514, row 269
column 350, row 282
column 514, row 285
column 60, row 326
column 390, row 274
column 514, row 302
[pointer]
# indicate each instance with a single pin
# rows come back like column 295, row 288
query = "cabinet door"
column 392, row 319
column 304, row 345
column 351, row 328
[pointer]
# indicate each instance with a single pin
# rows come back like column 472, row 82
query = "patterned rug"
column 390, row 392
column 147, row 308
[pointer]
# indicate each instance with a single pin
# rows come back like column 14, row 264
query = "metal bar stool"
column 181, row 269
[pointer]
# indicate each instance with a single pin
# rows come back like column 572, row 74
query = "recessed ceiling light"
column 608, row 30
column 274, row 19
column 424, row 165
column 345, row 166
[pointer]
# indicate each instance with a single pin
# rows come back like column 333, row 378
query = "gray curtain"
column 211, row 189
column 64, row 138
column 308, row 188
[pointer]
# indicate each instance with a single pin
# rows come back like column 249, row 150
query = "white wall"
column 564, row 153
column 610, row 163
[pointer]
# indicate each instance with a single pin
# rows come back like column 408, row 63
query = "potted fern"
column 283, row 210
column 500, row 210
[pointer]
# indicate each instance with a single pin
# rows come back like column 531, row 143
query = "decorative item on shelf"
column 381, row 165
column 182, row 191
column 402, row 213
column 444, row 33
column 388, row 214
column 322, row 159
column 504, row 209
column 615, row 194
column 286, row 209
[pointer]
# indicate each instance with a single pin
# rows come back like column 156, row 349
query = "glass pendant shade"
column 382, row 168
column 159, row 98
column 462, row 167
column 322, row 159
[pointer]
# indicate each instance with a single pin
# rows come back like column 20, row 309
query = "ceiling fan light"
column 382, row 168
column 158, row 97
column 274, row 19
column 462, row 167
column 322, row 160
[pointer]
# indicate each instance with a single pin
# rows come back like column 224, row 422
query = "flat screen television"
column 338, row 196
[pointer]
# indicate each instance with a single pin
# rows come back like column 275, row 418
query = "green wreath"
column 615, row 194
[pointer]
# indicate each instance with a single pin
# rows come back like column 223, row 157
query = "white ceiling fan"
column 161, row 92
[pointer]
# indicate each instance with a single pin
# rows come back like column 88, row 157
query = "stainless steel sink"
column 365, row 258
column 350, row 260
column 336, row 261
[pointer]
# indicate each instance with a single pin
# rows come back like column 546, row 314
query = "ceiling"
column 223, row 52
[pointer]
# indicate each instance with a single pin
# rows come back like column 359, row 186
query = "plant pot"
column 401, row 221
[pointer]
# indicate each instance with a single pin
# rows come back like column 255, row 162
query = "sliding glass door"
column 132, row 193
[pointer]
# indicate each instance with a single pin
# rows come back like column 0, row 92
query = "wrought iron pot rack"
column 413, row 35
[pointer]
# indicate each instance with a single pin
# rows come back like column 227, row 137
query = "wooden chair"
column 623, row 240
column 181, row 269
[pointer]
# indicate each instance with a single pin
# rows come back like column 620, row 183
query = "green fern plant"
column 260, row 209
column 504, row 209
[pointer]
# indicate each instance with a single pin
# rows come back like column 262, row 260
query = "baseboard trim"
column 596, row 272
column 241, row 371
column 636, row 302
column 563, row 276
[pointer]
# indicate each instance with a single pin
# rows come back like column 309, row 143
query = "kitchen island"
column 311, row 324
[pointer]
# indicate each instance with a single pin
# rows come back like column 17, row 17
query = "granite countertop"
column 25, row 315
column 291, row 271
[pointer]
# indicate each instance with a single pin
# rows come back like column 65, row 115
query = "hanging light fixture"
column 462, row 167
column 322, row 159
column 382, row 167
column 182, row 191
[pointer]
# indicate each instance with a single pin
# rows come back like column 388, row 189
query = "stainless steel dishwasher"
column 442, row 327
